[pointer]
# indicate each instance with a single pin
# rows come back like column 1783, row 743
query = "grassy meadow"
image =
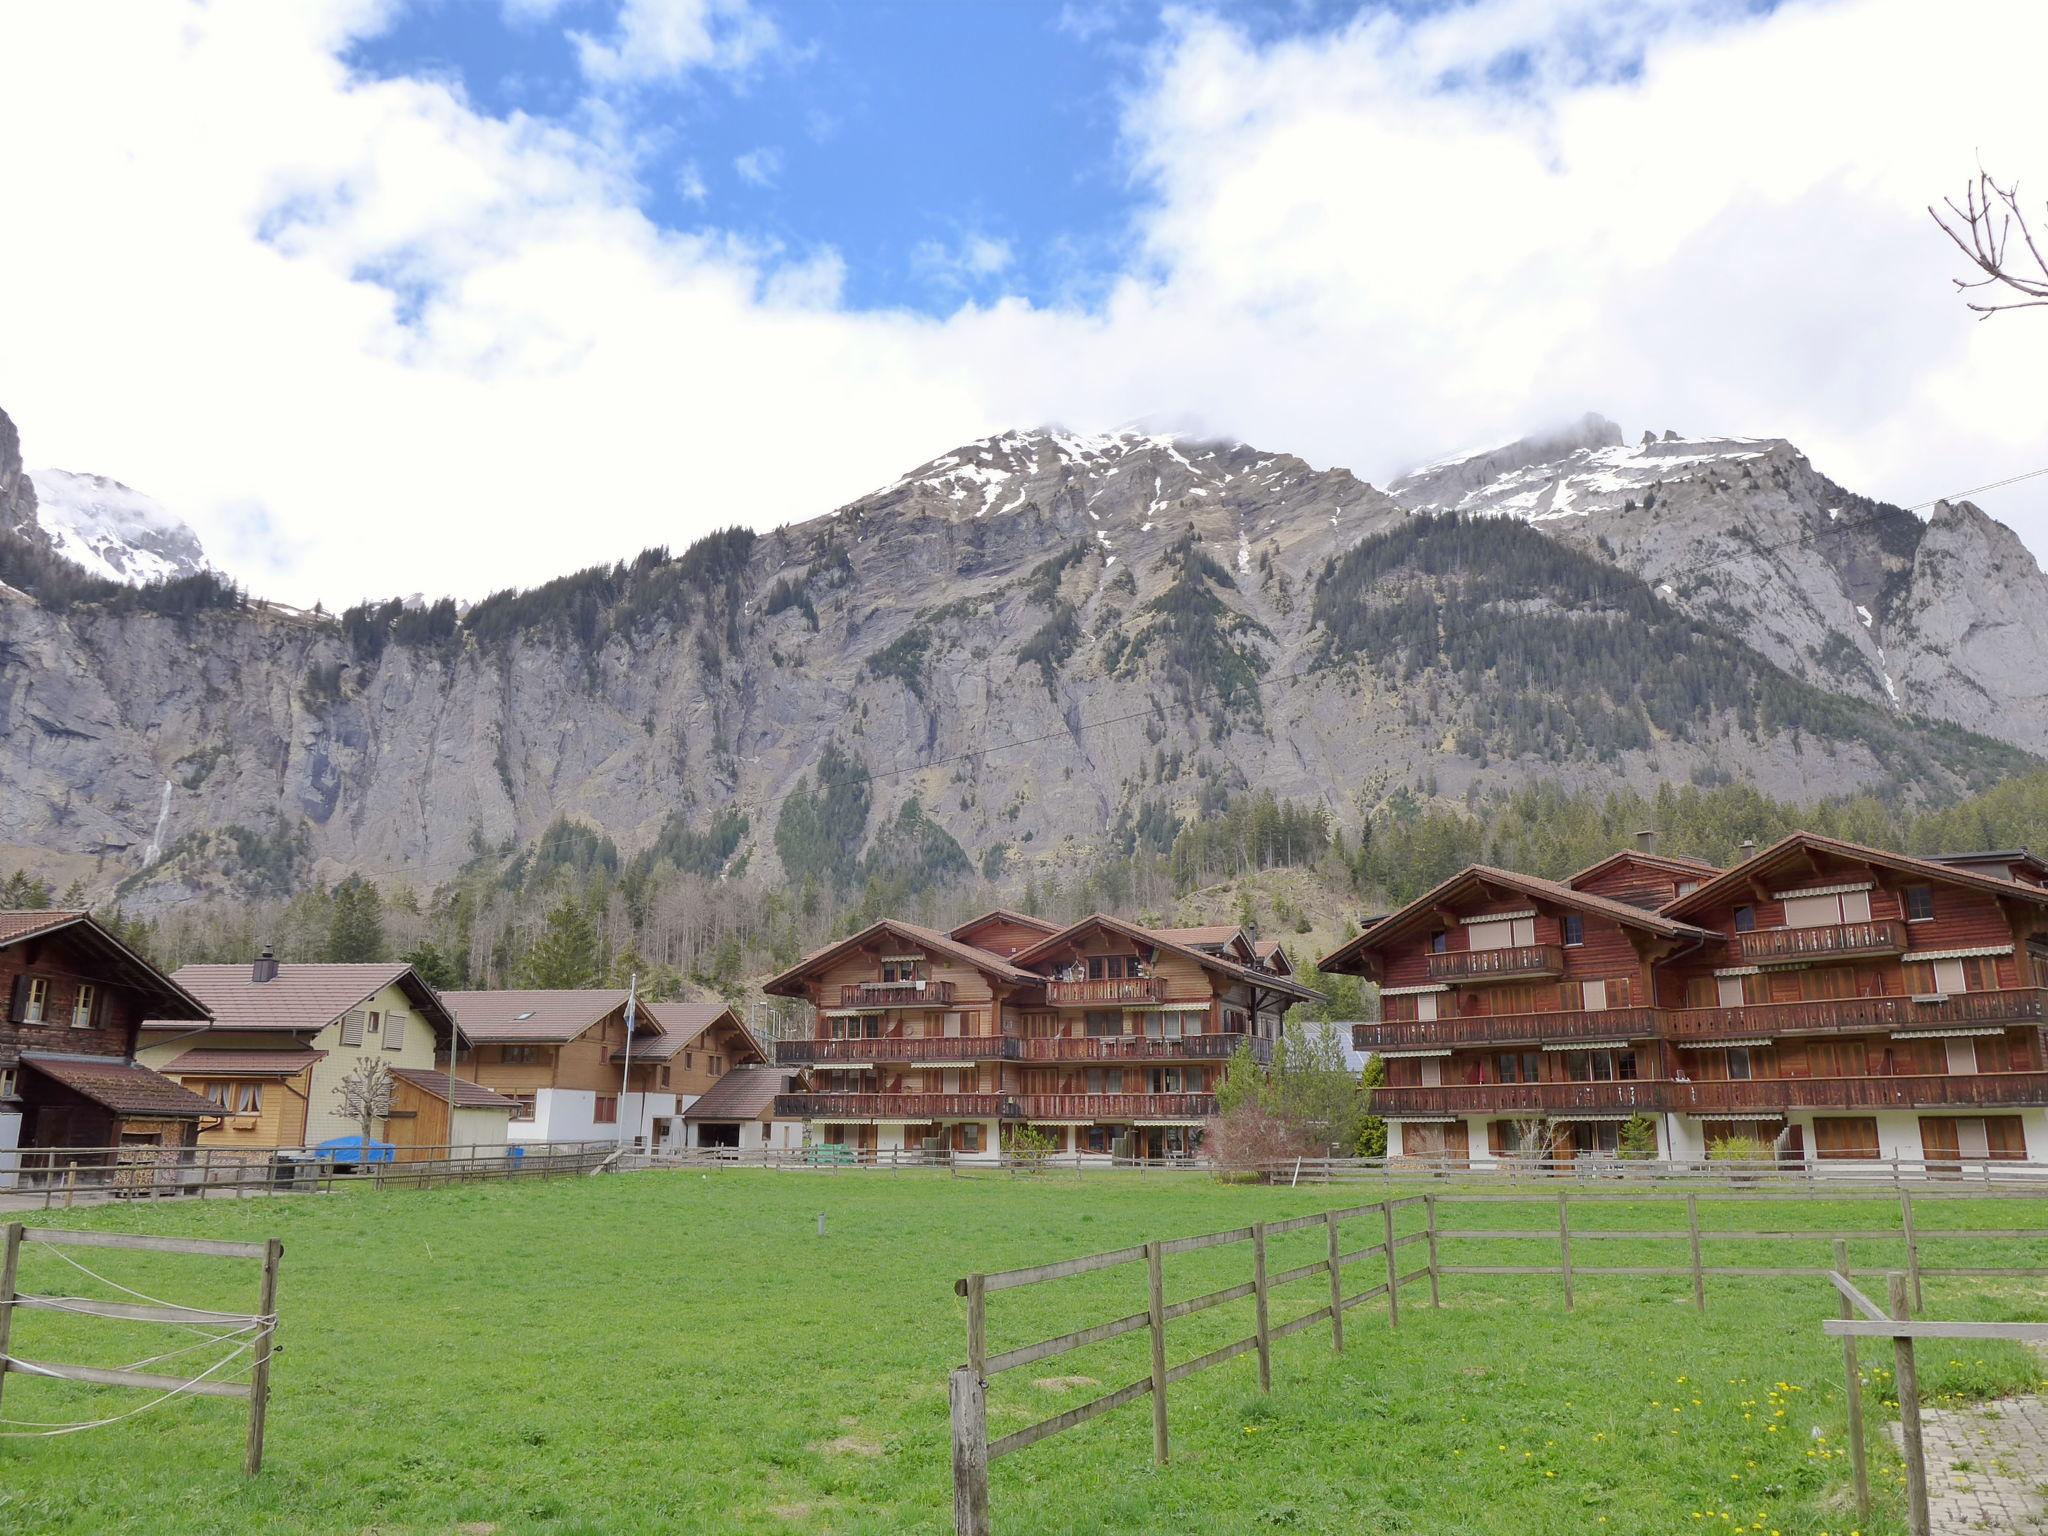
column 678, row 1352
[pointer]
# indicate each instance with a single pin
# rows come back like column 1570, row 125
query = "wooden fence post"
column 1907, row 1380
column 1259, row 1306
column 1855, row 1384
column 10, row 1261
column 1336, row 1285
column 977, row 1320
column 1156, row 1283
column 1699, row 1275
column 259, row 1375
column 1435, row 1294
column 969, row 1396
column 1912, row 1246
column 1564, row 1248
column 1393, row 1269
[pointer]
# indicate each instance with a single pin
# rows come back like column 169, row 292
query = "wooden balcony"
column 1516, row 963
column 1117, row 1106
column 912, row 1107
column 1218, row 1047
column 897, row 994
column 1111, row 989
column 827, row 1053
column 1522, row 1098
column 1855, row 1015
column 1708, row 1099
column 1837, row 941
column 1480, row 1031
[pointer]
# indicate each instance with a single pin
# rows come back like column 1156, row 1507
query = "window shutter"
column 352, row 1027
column 394, row 1032
column 17, row 1009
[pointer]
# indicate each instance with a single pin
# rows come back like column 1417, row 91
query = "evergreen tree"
column 432, row 965
column 355, row 931
column 1372, row 1130
column 565, row 954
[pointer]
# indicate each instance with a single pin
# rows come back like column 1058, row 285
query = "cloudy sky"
column 445, row 295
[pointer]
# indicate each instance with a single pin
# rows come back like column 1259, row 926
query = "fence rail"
column 973, row 1450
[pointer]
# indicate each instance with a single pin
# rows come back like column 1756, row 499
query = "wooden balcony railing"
column 1218, row 1047
column 1117, row 1106
column 1110, row 989
column 1483, row 1030
column 1496, row 964
column 825, row 1053
column 1852, row 1015
column 891, row 1106
column 1707, row 1099
column 1837, row 940
column 897, row 994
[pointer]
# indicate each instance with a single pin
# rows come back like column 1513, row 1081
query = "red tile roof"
column 745, row 1093
column 15, row 926
column 681, row 1024
column 222, row 1062
column 1856, row 853
column 124, row 1087
column 468, row 1095
column 944, row 943
column 557, row 1015
column 1271, row 980
column 159, row 993
column 303, row 997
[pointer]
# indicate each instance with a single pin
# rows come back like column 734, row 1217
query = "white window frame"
column 87, row 996
column 37, row 1002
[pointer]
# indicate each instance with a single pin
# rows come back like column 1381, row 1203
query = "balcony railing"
column 892, row 1106
column 1107, row 989
column 897, row 994
column 1835, row 941
column 1708, row 1099
column 825, row 1053
column 1217, row 1047
column 1851, row 1015
column 1496, row 964
column 1117, row 1106
column 1468, row 1029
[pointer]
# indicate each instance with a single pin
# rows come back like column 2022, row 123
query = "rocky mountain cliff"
column 100, row 525
column 1053, row 642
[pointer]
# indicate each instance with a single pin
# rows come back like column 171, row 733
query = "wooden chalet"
column 1833, row 1000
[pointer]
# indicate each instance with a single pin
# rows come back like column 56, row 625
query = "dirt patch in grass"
column 1064, row 1383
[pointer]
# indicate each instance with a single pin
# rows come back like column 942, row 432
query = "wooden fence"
column 973, row 1451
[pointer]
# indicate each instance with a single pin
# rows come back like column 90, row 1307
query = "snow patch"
column 114, row 531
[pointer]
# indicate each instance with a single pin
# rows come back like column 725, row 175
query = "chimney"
column 1746, row 850
column 1646, row 840
column 265, row 968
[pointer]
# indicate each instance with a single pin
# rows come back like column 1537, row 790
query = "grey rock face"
column 112, row 530
column 17, row 491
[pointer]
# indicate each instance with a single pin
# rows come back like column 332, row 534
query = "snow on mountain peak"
column 113, row 530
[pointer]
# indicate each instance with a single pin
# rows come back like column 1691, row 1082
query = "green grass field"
column 676, row 1352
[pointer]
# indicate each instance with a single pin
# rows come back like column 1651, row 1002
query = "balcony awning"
column 1763, row 1115
column 1166, row 1007
column 841, row 1066
column 1587, row 1045
column 1738, row 970
column 1422, row 1119
column 1035, row 1120
column 1183, row 1120
column 902, row 959
column 1498, row 917
column 1433, row 1051
column 1722, row 1045
column 1602, row 1115
column 1434, row 986
column 1973, row 953
column 849, row 1013
column 1822, row 890
column 1955, row 1033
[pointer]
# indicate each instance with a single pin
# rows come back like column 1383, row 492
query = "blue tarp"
column 353, row 1149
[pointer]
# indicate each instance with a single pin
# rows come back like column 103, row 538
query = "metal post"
column 1907, row 1379
column 1336, row 1286
column 1564, row 1248
column 1435, row 1295
column 1699, row 1275
column 969, row 1395
column 259, row 1375
column 1855, row 1387
column 1393, row 1269
column 1157, row 1309
column 10, row 1261
column 1259, row 1306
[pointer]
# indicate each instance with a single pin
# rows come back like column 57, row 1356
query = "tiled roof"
column 1212, row 933
column 680, row 1025
column 124, row 1087
column 124, row 967
column 1904, row 863
column 1162, row 937
column 215, row 1062
column 556, row 1015
column 19, row 925
column 1003, row 915
column 745, row 1093
column 468, row 1095
column 930, row 938
column 301, row 998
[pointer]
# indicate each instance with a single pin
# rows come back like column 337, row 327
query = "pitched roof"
column 468, row 1095
column 303, row 997
column 681, row 1024
column 1002, row 915
column 1739, row 877
column 1160, row 938
column 123, row 1087
column 1346, row 955
column 211, row 1061
column 745, row 1093
column 160, row 993
column 1203, row 936
column 535, row 1014
column 1678, row 864
column 785, row 984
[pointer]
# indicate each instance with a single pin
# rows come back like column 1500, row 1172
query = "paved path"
column 1987, row 1467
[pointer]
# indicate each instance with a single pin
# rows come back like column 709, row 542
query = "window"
column 1687, row 887
column 217, row 1092
column 81, row 1006
column 607, row 1109
column 1099, row 1138
column 520, row 1055
column 1520, row 1066
column 1842, row 1136
column 375, row 1019
column 1738, row 1063
column 35, row 1000
column 352, row 1027
column 970, row 1137
column 525, row 1101
column 6, row 1082
column 1827, row 911
column 394, row 1032
column 1439, row 942
column 248, row 1098
column 1095, row 968
column 1101, row 1022
column 690, row 1057
column 1745, row 919
column 1501, row 933
column 1729, row 991
column 1919, row 903
column 1574, row 928
column 664, row 1077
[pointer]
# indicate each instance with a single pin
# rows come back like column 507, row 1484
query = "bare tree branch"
column 1982, row 230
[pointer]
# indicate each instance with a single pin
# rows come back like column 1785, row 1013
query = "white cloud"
column 760, row 167
column 662, row 39
column 972, row 259
column 369, row 341
column 690, row 183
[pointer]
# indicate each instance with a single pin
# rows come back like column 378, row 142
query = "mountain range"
column 1019, row 655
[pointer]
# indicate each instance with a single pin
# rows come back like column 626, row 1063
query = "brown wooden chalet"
column 76, row 997
column 1834, row 1000
column 1097, row 1033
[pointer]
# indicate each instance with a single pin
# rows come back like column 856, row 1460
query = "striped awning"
column 1822, row 890
column 1166, row 1008
column 1743, row 1114
column 1976, row 952
column 1738, row 970
column 1498, row 917
column 1399, row 1055
column 1422, row 1119
column 1955, row 1033
column 1602, row 1115
column 1722, row 1045
column 1434, row 986
column 1588, row 1045
column 850, row 1013
column 1182, row 1121
column 1059, row 1122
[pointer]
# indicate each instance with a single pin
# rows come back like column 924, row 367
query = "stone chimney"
column 1746, row 851
column 265, row 968
column 1646, row 840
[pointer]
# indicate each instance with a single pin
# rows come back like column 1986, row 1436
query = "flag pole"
column 626, row 1071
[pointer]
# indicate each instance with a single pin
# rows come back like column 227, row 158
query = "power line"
column 1978, row 490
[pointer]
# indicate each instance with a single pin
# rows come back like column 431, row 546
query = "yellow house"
column 283, row 1038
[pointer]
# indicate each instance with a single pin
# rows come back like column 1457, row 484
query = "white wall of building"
column 10, row 1138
